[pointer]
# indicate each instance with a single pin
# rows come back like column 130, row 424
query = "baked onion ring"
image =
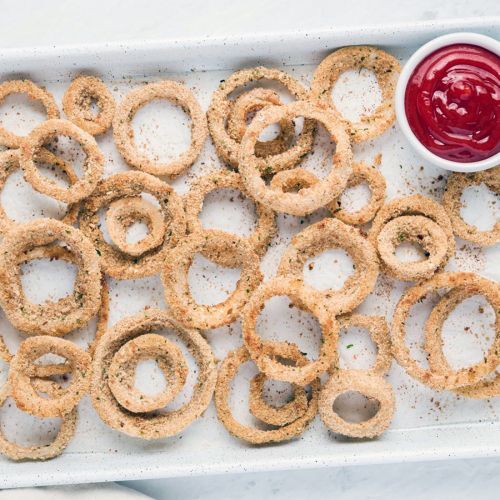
column 49, row 318
column 445, row 378
column 77, row 102
column 224, row 249
column 9, row 163
column 434, row 344
column 122, row 372
column 414, row 205
column 124, row 185
column 301, row 296
column 227, row 372
column 220, row 108
column 455, row 186
column 124, row 134
column 21, row 372
column 386, row 69
column 250, row 102
column 223, row 179
column 157, row 425
column 67, row 430
column 93, row 165
column 331, row 233
column 418, row 230
column 122, row 213
column 371, row 386
column 308, row 199
column 9, row 139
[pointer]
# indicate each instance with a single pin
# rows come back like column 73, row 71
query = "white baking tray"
column 427, row 425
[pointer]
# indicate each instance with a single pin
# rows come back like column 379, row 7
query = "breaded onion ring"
column 49, row 318
column 161, row 424
column 434, row 344
column 371, row 386
column 223, row 179
column 93, row 165
column 124, row 134
column 67, row 430
column 301, row 296
column 130, row 184
column 288, row 412
column 379, row 333
column 9, row 139
column 9, row 163
column 446, row 378
column 308, row 199
column 452, row 203
column 386, row 69
column 121, row 377
column 418, row 230
column 220, row 108
column 414, row 205
column 250, row 102
column 227, row 372
column 77, row 102
column 224, row 249
column 326, row 234
column 122, row 213
column 21, row 373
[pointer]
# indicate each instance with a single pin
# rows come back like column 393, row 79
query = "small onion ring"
column 9, row 163
column 227, row 372
column 386, row 69
column 301, row 296
column 124, row 135
column 455, row 186
column 414, row 205
column 67, row 430
column 224, row 249
column 371, row 386
column 129, row 184
column 309, row 199
column 220, row 107
column 223, row 179
column 250, row 102
column 288, row 412
column 121, row 376
column 22, row 369
column 9, row 139
column 446, row 379
column 434, row 344
column 49, row 318
column 93, row 165
column 76, row 103
column 331, row 233
column 418, row 230
column 150, row 426
column 122, row 213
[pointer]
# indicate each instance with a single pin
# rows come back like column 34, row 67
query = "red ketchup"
column 452, row 103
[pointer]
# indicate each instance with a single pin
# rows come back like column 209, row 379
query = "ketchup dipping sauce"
column 452, row 103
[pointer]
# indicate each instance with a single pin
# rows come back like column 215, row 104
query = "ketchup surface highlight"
column 452, row 103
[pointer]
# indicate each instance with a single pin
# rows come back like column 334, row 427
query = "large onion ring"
column 386, row 69
column 93, row 165
column 223, row 179
column 224, row 249
column 150, row 426
column 124, row 134
column 309, row 199
column 331, row 233
column 220, row 107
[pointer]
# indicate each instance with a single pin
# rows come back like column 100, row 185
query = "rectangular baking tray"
column 427, row 425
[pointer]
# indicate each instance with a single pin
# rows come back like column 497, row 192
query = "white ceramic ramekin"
column 442, row 41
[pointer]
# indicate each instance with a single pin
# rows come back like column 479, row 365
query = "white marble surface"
column 35, row 22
